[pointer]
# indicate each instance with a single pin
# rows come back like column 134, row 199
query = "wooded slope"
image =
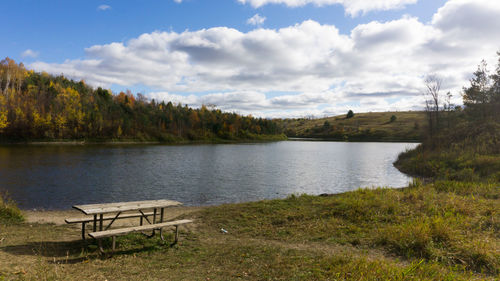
column 39, row 106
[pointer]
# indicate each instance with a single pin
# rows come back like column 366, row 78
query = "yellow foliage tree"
column 3, row 120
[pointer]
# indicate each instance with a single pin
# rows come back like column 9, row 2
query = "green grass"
column 9, row 213
column 408, row 126
column 451, row 228
column 467, row 152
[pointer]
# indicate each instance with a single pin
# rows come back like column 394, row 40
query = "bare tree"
column 433, row 85
column 432, row 100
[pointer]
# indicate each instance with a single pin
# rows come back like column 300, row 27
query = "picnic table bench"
column 121, row 210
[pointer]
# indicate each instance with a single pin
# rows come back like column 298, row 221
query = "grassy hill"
column 373, row 126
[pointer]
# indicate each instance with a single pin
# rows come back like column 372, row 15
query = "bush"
column 350, row 114
column 9, row 213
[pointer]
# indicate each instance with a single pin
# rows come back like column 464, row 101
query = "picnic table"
column 121, row 210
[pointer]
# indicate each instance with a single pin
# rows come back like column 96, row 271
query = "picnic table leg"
column 144, row 216
column 114, row 243
column 99, row 241
column 83, row 230
column 113, row 220
column 154, row 221
column 100, row 222
column 94, row 228
column 161, row 214
column 140, row 221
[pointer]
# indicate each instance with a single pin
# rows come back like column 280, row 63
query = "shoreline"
column 353, row 140
column 136, row 142
column 57, row 217
column 84, row 143
column 194, row 142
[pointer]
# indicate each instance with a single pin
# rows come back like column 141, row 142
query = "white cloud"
column 378, row 66
column 256, row 20
column 104, row 7
column 178, row 1
column 352, row 7
column 29, row 54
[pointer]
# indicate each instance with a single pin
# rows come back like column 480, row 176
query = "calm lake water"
column 57, row 177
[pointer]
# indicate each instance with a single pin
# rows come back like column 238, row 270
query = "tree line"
column 462, row 142
column 481, row 105
column 40, row 106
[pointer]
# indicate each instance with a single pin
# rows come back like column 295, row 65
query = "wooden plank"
column 92, row 209
column 123, row 231
column 106, row 218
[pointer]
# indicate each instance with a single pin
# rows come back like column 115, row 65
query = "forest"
column 43, row 107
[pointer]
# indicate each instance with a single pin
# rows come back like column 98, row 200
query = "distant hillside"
column 373, row 126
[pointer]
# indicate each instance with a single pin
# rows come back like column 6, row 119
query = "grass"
column 408, row 126
column 9, row 213
column 423, row 222
column 467, row 152
column 441, row 231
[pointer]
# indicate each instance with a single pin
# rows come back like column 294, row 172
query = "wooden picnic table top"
column 94, row 209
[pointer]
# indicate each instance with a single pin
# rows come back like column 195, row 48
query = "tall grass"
column 451, row 223
column 9, row 212
column 470, row 152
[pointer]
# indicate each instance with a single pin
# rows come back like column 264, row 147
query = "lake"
column 59, row 176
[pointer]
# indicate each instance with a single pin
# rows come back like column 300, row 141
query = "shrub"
column 9, row 213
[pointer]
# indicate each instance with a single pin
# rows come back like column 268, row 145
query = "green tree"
column 350, row 114
column 482, row 97
column 495, row 90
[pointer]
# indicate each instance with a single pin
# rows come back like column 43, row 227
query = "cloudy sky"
column 269, row 58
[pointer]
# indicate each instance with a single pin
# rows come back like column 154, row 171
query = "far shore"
column 352, row 140
column 187, row 142
column 138, row 142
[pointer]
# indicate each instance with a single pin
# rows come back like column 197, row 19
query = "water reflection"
column 56, row 177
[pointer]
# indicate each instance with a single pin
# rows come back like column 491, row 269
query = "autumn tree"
column 42, row 106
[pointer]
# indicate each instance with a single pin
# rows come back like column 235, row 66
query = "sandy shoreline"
column 57, row 217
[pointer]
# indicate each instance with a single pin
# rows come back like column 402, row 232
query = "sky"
column 268, row 58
